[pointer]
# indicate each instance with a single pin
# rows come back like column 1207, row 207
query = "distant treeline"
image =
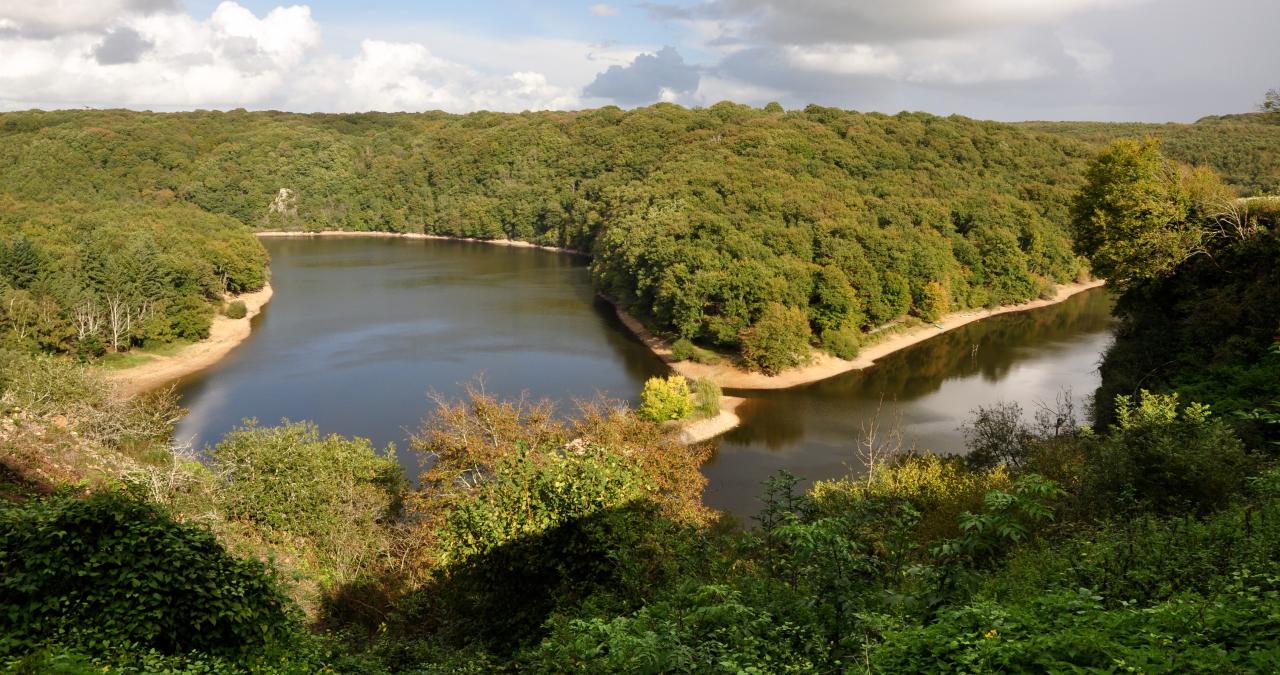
column 703, row 222
column 1243, row 149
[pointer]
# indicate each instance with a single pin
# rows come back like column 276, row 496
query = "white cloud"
column 407, row 76
column 1089, row 55
column 949, row 62
column 235, row 58
column 602, row 9
column 844, row 59
column 48, row 18
column 662, row 76
column 232, row 58
column 713, row 88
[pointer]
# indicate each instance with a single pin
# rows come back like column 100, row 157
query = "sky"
column 1121, row 60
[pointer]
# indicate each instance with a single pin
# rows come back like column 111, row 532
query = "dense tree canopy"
column 697, row 219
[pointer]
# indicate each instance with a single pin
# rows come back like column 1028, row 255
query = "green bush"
column 682, row 349
column 189, row 318
column 706, row 397
column 778, row 340
column 549, row 529
column 90, row 348
column 1165, row 456
column 333, row 491
column 108, row 570
column 237, row 310
column 940, row 488
column 697, row 629
column 665, row 399
column 843, row 343
column 1075, row 631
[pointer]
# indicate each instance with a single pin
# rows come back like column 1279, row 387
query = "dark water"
column 927, row 390
column 360, row 330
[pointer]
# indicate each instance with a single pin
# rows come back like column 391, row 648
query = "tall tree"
column 1131, row 218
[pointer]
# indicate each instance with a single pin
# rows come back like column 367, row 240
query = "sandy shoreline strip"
column 414, row 235
column 697, row 431
column 824, row 365
column 224, row 335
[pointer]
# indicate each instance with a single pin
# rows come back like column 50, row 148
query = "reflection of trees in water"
column 773, row 423
column 639, row 362
column 991, row 348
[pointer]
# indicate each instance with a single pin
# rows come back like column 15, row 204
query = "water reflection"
column 361, row 329
column 929, row 389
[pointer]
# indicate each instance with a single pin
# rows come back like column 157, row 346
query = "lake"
column 361, row 330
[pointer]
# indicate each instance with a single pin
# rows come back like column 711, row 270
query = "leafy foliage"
column 549, row 542
column 237, row 310
column 288, row 481
column 80, row 278
column 108, row 571
column 666, row 399
column 777, row 341
column 706, row 397
column 1167, row 456
column 1133, row 218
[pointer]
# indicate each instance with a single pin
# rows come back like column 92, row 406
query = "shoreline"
column 690, row 432
column 824, row 365
column 515, row 243
column 225, row 334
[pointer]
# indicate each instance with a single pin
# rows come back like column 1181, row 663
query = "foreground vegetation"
column 760, row 233
column 578, row 542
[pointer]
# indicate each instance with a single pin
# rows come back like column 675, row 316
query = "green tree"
column 1131, row 218
column 778, row 340
column 935, row 301
column 21, row 261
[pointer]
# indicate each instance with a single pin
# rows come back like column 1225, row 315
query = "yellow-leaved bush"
column 939, row 488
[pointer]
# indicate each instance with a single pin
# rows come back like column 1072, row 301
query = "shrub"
column 939, row 488
column 547, row 531
column 665, row 399
column 90, row 348
column 237, row 310
column 682, row 349
column 694, row 629
column 706, row 397
column 333, row 491
column 1165, row 455
column 189, row 317
column 842, row 343
column 778, row 340
column 98, row 572
column 997, row 435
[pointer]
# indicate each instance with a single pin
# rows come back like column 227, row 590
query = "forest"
column 722, row 226
column 1146, row 541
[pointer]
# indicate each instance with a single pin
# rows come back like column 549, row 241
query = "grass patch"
column 705, row 356
column 141, row 355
